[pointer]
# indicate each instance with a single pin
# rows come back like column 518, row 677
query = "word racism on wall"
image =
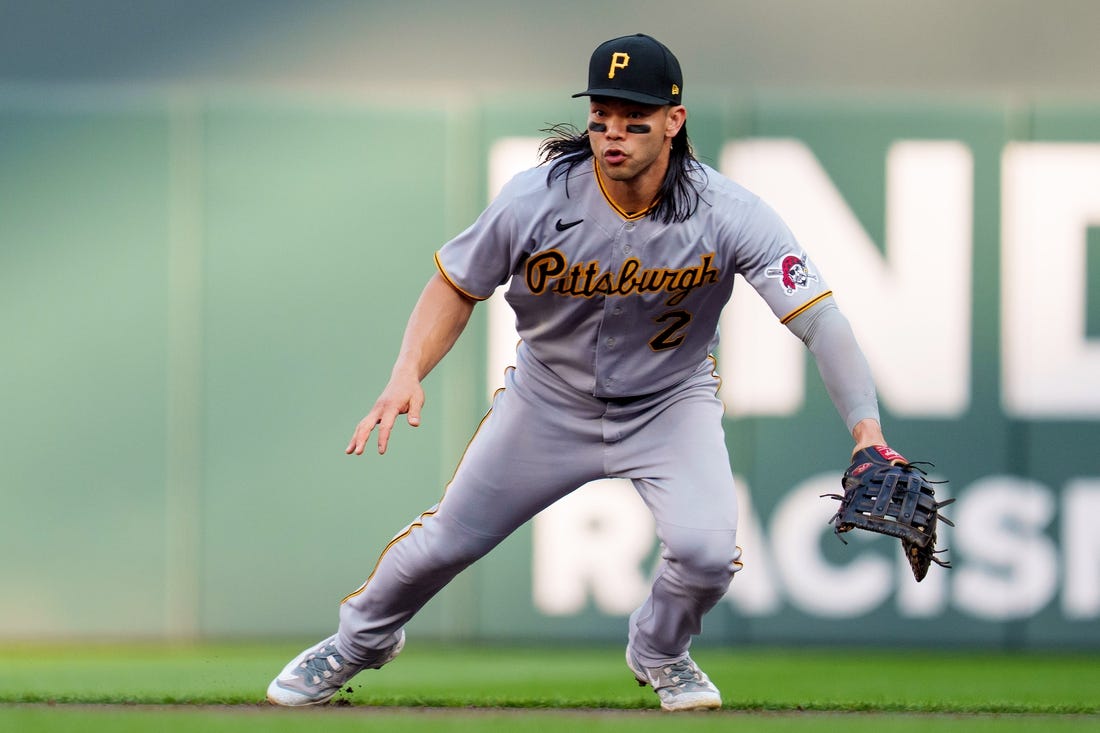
column 595, row 544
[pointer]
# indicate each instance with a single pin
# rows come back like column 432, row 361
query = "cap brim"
column 627, row 95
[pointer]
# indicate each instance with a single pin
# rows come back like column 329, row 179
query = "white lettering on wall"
column 597, row 542
column 1011, row 565
column 1050, row 196
column 813, row 584
column 922, row 284
column 597, row 546
column 1081, row 501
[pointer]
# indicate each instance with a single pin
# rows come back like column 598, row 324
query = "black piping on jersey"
column 714, row 372
column 453, row 284
column 805, row 307
column 431, row 512
column 628, row 215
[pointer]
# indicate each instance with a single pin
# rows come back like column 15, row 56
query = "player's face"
column 630, row 141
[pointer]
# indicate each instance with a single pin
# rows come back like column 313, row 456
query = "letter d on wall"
column 1050, row 197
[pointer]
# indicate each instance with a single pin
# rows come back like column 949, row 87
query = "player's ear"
column 677, row 116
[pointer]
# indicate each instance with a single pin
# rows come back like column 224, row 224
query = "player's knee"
column 451, row 545
column 707, row 558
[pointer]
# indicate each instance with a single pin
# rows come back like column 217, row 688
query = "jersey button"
column 630, row 226
column 618, row 310
column 627, row 248
column 611, row 341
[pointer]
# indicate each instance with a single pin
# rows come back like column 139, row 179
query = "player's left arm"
column 883, row 493
column 780, row 271
column 843, row 367
column 867, row 432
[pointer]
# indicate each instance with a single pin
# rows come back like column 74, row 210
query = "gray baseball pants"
column 540, row 441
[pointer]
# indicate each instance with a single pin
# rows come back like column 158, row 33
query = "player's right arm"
column 437, row 320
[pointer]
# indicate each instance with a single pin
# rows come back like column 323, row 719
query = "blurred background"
column 216, row 216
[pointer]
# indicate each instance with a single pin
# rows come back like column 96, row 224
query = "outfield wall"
column 202, row 294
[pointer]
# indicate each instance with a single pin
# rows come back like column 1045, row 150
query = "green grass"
column 442, row 688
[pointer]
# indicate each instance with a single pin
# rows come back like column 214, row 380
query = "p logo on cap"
column 636, row 68
column 619, row 60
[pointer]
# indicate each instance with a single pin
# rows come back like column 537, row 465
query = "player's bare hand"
column 402, row 396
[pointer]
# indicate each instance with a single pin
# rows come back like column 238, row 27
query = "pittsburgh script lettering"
column 551, row 271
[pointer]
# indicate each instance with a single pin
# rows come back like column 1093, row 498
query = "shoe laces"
column 682, row 673
column 321, row 665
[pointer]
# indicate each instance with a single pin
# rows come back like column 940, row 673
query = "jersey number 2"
column 672, row 335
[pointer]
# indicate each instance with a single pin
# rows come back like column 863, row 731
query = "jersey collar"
column 611, row 202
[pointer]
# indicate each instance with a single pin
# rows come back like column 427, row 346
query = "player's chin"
column 618, row 170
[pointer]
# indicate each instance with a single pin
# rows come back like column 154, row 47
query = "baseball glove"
column 886, row 494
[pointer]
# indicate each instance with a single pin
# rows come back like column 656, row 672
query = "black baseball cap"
column 638, row 68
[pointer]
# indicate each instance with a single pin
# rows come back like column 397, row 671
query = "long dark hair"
column 680, row 191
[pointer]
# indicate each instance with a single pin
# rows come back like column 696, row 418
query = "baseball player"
column 621, row 249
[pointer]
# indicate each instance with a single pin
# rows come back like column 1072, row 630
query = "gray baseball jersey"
column 618, row 315
column 621, row 305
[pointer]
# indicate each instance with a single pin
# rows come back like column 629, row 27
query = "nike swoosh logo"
column 562, row 226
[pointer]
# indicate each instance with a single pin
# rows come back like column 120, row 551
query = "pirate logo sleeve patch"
column 792, row 271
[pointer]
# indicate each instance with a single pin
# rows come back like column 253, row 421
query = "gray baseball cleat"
column 318, row 673
column 680, row 685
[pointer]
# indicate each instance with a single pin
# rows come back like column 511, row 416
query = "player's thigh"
column 684, row 472
column 523, row 457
